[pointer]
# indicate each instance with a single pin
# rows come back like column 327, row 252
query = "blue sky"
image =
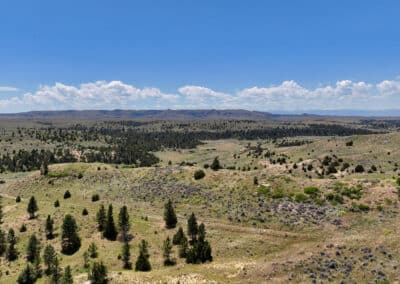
column 264, row 55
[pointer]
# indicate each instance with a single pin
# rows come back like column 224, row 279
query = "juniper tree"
column 192, row 228
column 98, row 273
column 167, row 250
column 179, row 235
column 101, row 218
column 215, row 164
column 49, row 255
column 12, row 253
column 32, row 207
column 92, row 250
column 28, row 275
column 33, row 249
column 110, row 232
column 67, row 277
column 70, row 241
column 123, row 223
column 169, row 215
column 3, row 242
column 142, row 262
column 49, row 227
column 126, row 256
column 56, row 203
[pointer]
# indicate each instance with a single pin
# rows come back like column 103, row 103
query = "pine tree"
column 205, row 254
column 12, row 253
column 167, row 250
column 92, row 250
column 176, row 240
column 101, row 218
column 56, row 272
column 142, row 262
column 49, row 227
column 33, row 249
column 183, row 248
column 169, row 215
column 202, row 233
column 70, row 241
column 3, row 242
column 98, row 273
column 28, row 275
column 67, row 277
column 126, row 256
column 110, row 232
column 123, row 223
column 32, row 207
column 192, row 228
column 49, row 255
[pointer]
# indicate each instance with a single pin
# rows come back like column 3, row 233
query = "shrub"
column 300, row 197
column 199, row 174
column 95, row 197
column 85, row 212
column 359, row 169
column 311, row 191
column 67, row 194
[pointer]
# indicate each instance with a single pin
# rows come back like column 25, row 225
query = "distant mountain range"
column 144, row 114
column 194, row 114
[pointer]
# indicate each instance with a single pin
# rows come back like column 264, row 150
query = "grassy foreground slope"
column 274, row 230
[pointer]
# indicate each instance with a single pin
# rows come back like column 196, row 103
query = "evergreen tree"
column 67, row 277
column 56, row 203
column 12, row 253
column 3, row 242
column 56, row 272
column 28, row 275
column 110, row 232
column 67, row 194
column 167, row 250
column 101, row 218
column 49, row 255
column 142, row 262
column 33, row 249
column 169, row 215
column 205, row 254
column 176, row 240
column 183, row 248
column 126, row 256
column 49, row 227
column 70, row 241
column 215, row 164
column 202, row 233
column 191, row 254
column 92, row 250
column 123, row 223
column 98, row 273
column 32, row 207
column 192, row 228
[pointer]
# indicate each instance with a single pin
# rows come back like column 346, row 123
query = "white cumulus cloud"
column 288, row 95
